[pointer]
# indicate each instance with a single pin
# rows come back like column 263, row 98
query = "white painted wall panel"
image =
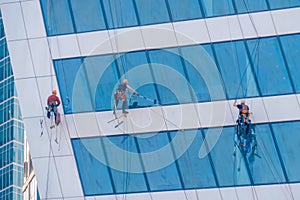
column 191, row 32
column 274, row 192
column 21, row 59
column 137, row 196
column 69, row 178
column 42, row 61
column 159, row 36
column 64, row 46
column 94, row 43
column 285, row 20
column 28, row 95
column 14, row 22
column 126, row 39
column 245, row 193
column 33, row 19
column 47, row 178
column 282, row 108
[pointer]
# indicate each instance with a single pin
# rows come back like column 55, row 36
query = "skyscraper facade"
column 187, row 62
column 11, row 128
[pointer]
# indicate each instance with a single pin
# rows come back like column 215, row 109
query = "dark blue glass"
column 168, row 72
column 88, row 15
column 135, row 67
column 184, row 9
column 217, row 8
column 93, row 172
column 236, row 70
column 196, row 172
column 57, row 17
column 269, row 67
column 157, row 157
column 291, row 48
column 120, row 13
column 247, row 6
column 66, row 73
column 125, row 164
column 203, row 73
column 152, row 12
column 195, row 74
column 277, row 4
column 288, row 139
column 102, row 78
column 230, row 170
column 265, row 165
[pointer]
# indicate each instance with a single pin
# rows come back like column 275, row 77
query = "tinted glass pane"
column 288, row 139
column 184, row 9
column 232, row 171
column 203, row 73
column 291, row 47
column 169, row 73
column 265, row 165
column 73, row 86
column 120, row 13
column 126, row 168
column 236, row 70
column 134, row 66
column 151, row 12
column 102, row 77
column 246, row 6
column 57, row 17
column 89, row 153
column 162, row 175
column 269, row 66
column 88, row 15
column 216, row 8
column 283, row 3
column 186, row 147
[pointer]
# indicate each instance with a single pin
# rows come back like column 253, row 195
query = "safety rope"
column 264, row 104
column 254, row 49
column 39, row 92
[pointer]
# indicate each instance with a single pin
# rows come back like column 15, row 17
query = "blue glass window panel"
column 189, row 162
column 288, row 140
column 57, row 17
column 124, row 162
column 274, row 4
column 217, row 8
column 66, row 73
column 102, row 78
column 226, row 166
column 94, row 174
column 269, row 67
column 169, row 73
column 120, row 13
column 135, row 67
column 247, row 6
column 155, row 153
column 152, row 12
column 236, row 70
column 203, row 74
column 291, row 48
column 88, row 15
column 185, row 9
column 265, row 168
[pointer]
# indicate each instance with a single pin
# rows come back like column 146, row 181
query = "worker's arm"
column 235, row 104
column 133, row 90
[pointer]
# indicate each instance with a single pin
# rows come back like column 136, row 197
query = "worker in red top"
column 53, row 102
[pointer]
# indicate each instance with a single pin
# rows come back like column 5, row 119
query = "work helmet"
column 125, row 81
column 54, row 92
column 243, row 101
